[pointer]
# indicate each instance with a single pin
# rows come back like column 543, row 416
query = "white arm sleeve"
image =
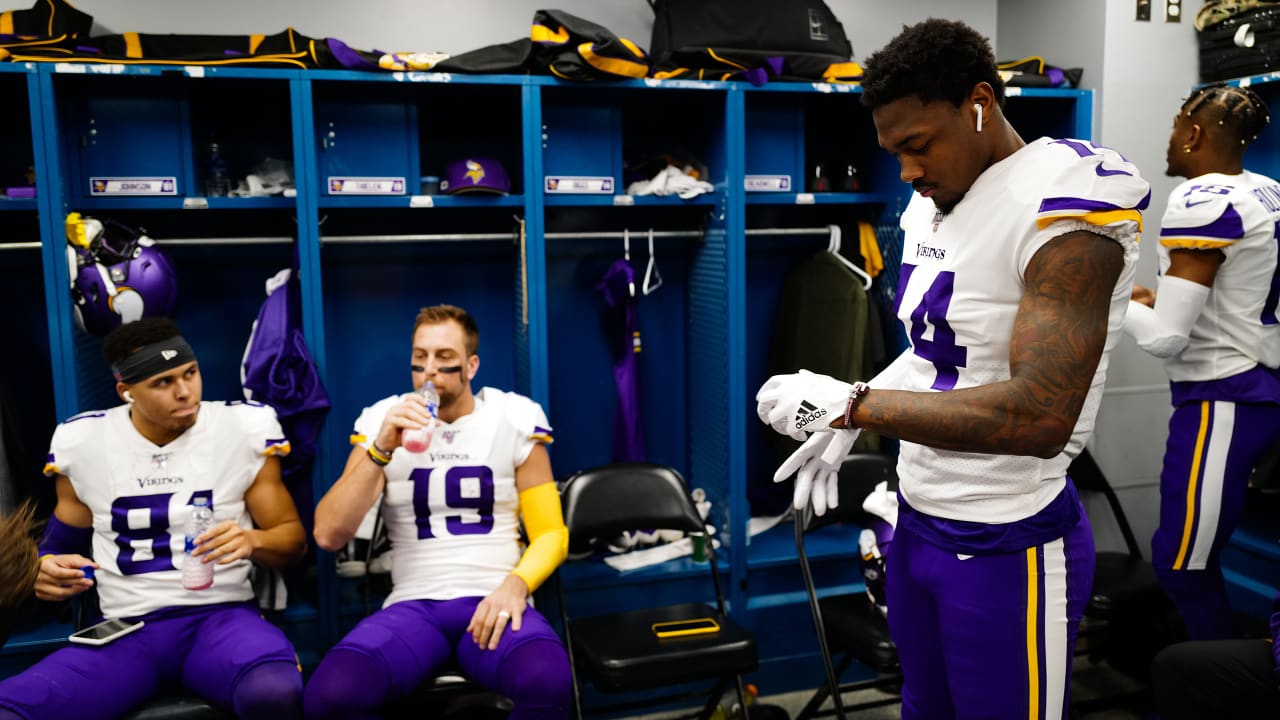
column 1165, row 330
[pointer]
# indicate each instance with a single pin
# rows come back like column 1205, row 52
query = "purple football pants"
column 987, row 636
column 393, row 651
column 227, row 654
column 1211, row 451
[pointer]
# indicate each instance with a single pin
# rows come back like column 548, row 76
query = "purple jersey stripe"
column 1228, row 226
column 275, row 441
column 1067, row 204
column 84, row 416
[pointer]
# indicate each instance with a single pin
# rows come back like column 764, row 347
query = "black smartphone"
column 681, row 628
column 105, row 631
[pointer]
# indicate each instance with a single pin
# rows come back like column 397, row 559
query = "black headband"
column 153, row 359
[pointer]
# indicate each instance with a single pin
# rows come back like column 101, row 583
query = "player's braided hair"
column 124, row 340
column 932, row 60
column 19, row 561
column 1239, row 109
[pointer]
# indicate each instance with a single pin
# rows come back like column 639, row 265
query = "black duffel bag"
column 716, row 39
column 1245, row 43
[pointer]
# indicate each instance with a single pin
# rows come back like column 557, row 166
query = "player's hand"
column 225, row 543
column 504, row 606
column 804, row 401
column 61, row 576
column 816, row 465
column 1143, row 295
column 409, row 413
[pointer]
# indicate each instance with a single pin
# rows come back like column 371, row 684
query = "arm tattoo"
column 1058, row 337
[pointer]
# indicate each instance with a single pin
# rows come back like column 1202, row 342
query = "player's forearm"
column 1058, row 338
column 1002, row 418
column 280, row 546
column 339, row 513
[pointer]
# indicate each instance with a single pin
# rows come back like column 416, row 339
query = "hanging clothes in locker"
column 277, row 370
column 821, row 325
column 622, row 329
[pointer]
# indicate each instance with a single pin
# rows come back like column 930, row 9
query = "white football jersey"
column 453, row 512
column 1237, row 215
column 140, row 493
column 961, row 281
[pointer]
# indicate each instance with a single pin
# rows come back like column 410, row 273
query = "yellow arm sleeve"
column 548, row 537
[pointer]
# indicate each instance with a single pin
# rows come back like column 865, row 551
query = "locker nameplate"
column 365, row 185
column 579, row 184
column 767, row 183
column 109, row 186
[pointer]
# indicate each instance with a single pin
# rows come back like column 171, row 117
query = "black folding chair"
column 1128, row 618
column 849, row 624
column 621, row 652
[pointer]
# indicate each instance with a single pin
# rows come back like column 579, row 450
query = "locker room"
column 662, row 217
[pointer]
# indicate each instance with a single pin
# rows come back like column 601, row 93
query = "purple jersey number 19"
column 466, row 487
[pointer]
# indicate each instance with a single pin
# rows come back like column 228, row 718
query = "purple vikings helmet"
column 118, row 275
column 475, row 174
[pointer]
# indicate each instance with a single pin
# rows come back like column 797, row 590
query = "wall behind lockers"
column 1150, row 68
column 454, row 26
column 1065, row 34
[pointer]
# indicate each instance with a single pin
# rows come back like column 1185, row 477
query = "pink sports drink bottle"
column 417, row 441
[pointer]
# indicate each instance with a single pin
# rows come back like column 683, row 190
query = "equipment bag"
column 284, row 49
column 1244, row 43
column 559, row 44
column 1035, row 72
column 722, row 39
column 49, row 23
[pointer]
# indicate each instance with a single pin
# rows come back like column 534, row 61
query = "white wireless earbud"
column 978, row 107
column 128, row 396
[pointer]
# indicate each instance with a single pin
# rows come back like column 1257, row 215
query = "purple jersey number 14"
column 947, row 356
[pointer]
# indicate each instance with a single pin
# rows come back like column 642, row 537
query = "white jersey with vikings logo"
column 140, row 494
column 960, row 285
column 453, row 512
column 1237, row 215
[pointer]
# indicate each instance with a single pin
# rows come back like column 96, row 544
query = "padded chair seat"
column 621, row 653
column 1118, row 575
column 855, row 626
column 178, row 707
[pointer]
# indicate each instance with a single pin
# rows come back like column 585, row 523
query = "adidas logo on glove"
column 807, row 414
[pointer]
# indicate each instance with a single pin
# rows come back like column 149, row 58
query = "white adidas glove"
column 799, row 402
column 816, row 465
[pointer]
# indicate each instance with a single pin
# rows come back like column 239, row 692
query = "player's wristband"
column 858, row 391
column 379, row 458
column 548, row 537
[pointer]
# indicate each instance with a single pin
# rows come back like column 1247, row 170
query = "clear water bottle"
column 416, row 441
column 217, row 183
column 197, row 575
